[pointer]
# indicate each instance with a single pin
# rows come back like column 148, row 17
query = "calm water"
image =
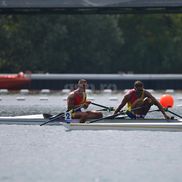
column 49, row 153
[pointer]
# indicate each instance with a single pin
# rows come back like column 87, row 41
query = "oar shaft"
column 174, row 114
column 167, row 111
column 107, row 117
column 154, row 110
column 53, row 119
column 105, row 107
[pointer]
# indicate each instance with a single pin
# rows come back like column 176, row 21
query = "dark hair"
column 138, row 84
column 82, row 81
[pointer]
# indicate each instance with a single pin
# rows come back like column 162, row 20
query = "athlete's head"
column 138, row 86
column 82, row 84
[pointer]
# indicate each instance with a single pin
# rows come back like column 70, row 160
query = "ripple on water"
column 34, row 153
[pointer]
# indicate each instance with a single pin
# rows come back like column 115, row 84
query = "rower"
column 139, row 102
column 77, row 100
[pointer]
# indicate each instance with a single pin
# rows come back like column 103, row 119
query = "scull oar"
column 105, row 107
column 53, row 118
column 173, row 113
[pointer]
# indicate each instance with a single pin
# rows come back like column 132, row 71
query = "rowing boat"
column 118, row 123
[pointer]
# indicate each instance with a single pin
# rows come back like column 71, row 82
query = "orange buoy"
column 167, row 101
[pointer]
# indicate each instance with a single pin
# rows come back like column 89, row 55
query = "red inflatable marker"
column 167, row 101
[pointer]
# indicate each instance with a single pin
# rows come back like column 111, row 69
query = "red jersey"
column 133, row 98
column 79, row 100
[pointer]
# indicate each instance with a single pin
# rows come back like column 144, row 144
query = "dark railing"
column 105, row 81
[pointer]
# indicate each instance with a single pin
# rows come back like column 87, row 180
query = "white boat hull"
column 38, row 119
column 160, row 126
column 25, row 120
column 107, row 124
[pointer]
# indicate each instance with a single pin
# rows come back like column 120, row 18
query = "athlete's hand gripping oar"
column 59, row 115
column 105, row 107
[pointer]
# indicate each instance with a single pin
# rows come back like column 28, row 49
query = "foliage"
column 91, row 43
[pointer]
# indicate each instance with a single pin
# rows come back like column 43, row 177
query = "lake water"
column 49, row 153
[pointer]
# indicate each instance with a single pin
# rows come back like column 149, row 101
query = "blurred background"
column 47, row 46
column 122, row 43
column 52, row 44
column 42, row 40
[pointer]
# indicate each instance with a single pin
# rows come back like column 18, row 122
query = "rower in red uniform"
column 78, row 99
column 140, row 99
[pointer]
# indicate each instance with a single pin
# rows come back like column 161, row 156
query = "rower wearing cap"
column 77, row 99
column 139, row 102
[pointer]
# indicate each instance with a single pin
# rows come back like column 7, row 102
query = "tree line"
column 91, row 43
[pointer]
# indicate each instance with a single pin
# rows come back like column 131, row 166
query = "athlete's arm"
column 156, row 102
column 70, row 102
column 123, row 103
